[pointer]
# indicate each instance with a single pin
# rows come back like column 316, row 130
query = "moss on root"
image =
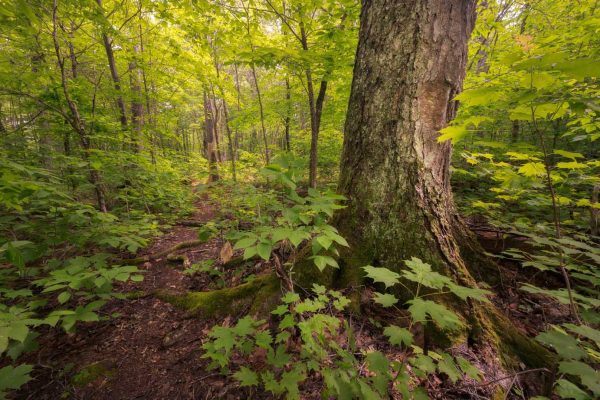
column 521, row 347
column 92, row 372
column 257, row 296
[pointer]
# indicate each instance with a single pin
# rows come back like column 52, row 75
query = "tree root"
column 179, row 246
column 257, row 297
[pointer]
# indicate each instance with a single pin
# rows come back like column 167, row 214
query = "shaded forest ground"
column 152, row 350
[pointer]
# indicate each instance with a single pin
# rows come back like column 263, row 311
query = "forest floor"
column 150, row 349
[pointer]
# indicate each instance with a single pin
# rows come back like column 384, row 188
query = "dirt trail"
column 150, row 351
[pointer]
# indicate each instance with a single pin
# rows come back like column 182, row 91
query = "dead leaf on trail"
column 226, row 253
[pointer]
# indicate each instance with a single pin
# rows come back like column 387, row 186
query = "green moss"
column 135, row 294
column 514, row 344
column 256, row 295
column 90, row 373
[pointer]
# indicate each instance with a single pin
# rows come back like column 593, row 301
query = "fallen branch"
column 513, row 376
column 179, row 246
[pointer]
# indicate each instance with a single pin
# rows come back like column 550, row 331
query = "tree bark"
column 410, row 63
column 314, row 127
column 209, row 138
column 74, row 118
column 137, row 107
column 288, row 113
column 262, row 115
column 114, row 74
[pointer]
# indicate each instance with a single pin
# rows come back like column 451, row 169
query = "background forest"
column 219, row 125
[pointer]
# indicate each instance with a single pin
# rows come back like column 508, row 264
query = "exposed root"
column 257, row 296
column 179, row 246
column 182, row 258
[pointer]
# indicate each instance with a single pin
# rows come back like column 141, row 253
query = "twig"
column 516, row 374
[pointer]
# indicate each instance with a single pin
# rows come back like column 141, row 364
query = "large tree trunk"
column 410, row 63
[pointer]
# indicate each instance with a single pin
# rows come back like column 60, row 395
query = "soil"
column 151, row 350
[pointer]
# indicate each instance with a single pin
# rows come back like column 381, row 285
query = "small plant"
column 312, row 340
column 299, row 219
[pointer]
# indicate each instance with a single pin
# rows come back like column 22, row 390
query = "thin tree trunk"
column 239, row 107
column 594, row 212
column 137, row 108
column 288, row 113
column 114, row 74
column 314, row 123
column 209, row 137
column 262, row 115
column 226, row 122
column 75, row 119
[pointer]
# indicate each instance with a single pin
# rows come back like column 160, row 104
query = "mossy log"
column 256, row 297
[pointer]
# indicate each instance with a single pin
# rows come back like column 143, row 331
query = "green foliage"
column 13, row 377
column 311, row 337
column 297, row 220
column 423, row 310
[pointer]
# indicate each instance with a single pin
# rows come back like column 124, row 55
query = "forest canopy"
column 299, row 199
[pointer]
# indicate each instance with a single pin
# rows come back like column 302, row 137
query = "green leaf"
column 290, row 381
column 398, row 336
column 245, row 326
column 290, row 297
column 580, row 68
column 538, row 80
column 568, row 154
column 246, row 377
column 297, row 237
column 585, row 331
column 287, row 322
column 324, row 241
column 589, row 377
column 469, row 369
column 464, row 292
column 280, row 310
column 443, row 317
column 385, row 299
column 571, row 165
column 423, row 363
column 319, row 289
column 18, row 331
column 278, row 358
column 447, row 366
column 14, row 377
column 263, row 339
column 378, row 362
column 480, row 96
column 245, row 243
column 264, row 250
column 532, row 169
column 338, row 239
column 453, row 132
column 565, row 345
column 568, row 390
column 382, row 275
column 322, row 261
column 64, row 297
